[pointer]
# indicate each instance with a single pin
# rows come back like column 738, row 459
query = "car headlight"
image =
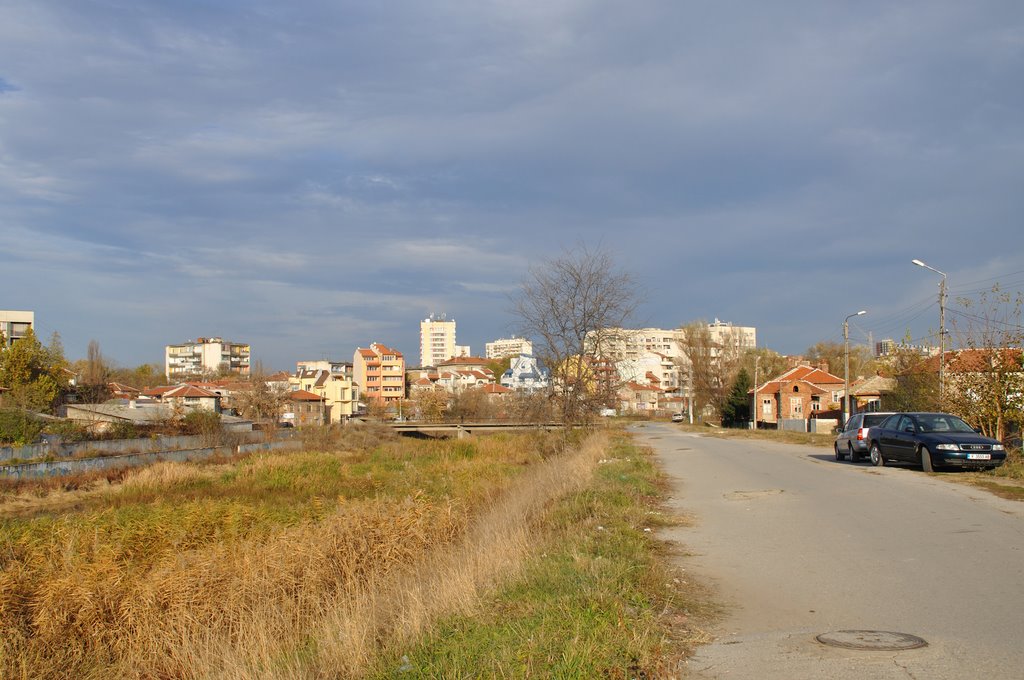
column 947, row 447
column 997, row 447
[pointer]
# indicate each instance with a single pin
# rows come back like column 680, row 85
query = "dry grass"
column 303, row 565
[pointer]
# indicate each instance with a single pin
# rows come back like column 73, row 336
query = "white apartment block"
column 626, row 343
column 507, row 347
column 437, row 340
column 14, row 325
column 724, row 333
column 203, row 357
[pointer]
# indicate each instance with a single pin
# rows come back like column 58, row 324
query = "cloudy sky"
column 315, row 175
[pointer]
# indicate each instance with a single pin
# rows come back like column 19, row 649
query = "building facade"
column 14, row 325
column 526, row 375
column 507, row 347
column 203, row 357
column 379, row 372
column 333, row 381
column 437, row 340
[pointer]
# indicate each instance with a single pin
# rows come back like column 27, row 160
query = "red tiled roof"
column 190, row 391
column 495, row 389
column 303, row 395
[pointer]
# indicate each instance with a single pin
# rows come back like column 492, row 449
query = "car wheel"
column 877, row 459
column 854, row 456
column 926, row 459
column 839, row 456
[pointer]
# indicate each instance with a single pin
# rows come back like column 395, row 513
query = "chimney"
column 823, row 365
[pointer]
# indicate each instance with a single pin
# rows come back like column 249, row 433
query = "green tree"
column 35, row 376
column 736, row 409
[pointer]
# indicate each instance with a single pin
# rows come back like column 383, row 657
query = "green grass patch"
column 598, row 597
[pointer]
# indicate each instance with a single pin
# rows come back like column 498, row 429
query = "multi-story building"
column 14, row 325
column 724, row 333
column 526, row 374
column 333, row 381
column 507, row 347
column 203, row 357
column 379, row 372
column 437, row 340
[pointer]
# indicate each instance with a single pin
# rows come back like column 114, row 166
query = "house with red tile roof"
column 797, row 394
column 305, row 408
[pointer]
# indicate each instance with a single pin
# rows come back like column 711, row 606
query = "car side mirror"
column 978, row 430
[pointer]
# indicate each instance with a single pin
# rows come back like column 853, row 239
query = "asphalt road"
column 796, row 544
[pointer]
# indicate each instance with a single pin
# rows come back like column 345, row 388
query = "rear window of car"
column 870, row 421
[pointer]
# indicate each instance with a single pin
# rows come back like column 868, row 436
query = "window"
column 796, row 406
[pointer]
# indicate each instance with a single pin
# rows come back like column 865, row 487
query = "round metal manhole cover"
column 875, row 640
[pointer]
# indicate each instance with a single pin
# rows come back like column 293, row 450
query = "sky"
column 313, row 176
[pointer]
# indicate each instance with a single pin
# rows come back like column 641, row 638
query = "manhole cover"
column 878, row 640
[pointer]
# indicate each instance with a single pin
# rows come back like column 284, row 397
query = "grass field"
column 503, row 555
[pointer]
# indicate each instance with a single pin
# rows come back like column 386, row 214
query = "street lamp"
column 846, row 357
column 942, row 323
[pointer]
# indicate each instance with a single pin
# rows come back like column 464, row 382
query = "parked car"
column 852, row 440
column 677, row 417
column 933, row 440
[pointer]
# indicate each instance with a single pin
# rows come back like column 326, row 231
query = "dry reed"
column 187, row 596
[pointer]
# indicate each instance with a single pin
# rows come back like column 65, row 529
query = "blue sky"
column 313, row 176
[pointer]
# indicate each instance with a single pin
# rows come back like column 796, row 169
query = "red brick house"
column 797, row 394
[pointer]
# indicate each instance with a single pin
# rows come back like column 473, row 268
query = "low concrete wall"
column 113, row 446
column 78, row 465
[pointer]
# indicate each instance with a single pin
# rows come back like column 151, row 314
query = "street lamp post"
column 942, row 324
column 846, row 357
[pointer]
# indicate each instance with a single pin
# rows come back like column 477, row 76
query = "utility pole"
column 942, row 325
column 753, row 406
column 846, row 371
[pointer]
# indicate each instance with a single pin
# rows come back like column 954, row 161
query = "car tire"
column 926, row 459
column 854, row 456
column 877, row 459
column 839, row 456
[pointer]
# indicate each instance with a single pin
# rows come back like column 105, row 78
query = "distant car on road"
column 933, row 440
column 852, row 441
column 677, row 417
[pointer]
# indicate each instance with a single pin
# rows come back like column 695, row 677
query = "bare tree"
column 569, row 305
column 707, row 367
column 985, row 375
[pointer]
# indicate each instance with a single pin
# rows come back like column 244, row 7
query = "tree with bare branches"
column 985, row 375
column 569, row 305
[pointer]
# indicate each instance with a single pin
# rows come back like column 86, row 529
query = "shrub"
column 204, row 423
column 18, row 427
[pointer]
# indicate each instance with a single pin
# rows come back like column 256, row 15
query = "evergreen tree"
column 736, row 409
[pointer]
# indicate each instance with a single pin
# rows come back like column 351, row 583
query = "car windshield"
column 941, row 422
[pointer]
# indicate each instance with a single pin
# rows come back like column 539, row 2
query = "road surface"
column 796, row 544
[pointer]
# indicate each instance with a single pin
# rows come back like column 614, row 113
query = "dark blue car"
column 933, row 440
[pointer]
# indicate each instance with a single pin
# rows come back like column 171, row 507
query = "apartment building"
column 14, row 325
column 507, row 347
column 437, row 340
column 205, row 356
column 724, row 333
column 334, row 382
column 379, row 372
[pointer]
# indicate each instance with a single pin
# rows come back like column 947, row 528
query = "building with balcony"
column 204, row 357
column 334, row 381
column 14, row 325
column 507, row 347
column 437, row 340
column 379, row 372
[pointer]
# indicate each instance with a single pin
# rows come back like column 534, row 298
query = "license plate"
column 979, row 456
